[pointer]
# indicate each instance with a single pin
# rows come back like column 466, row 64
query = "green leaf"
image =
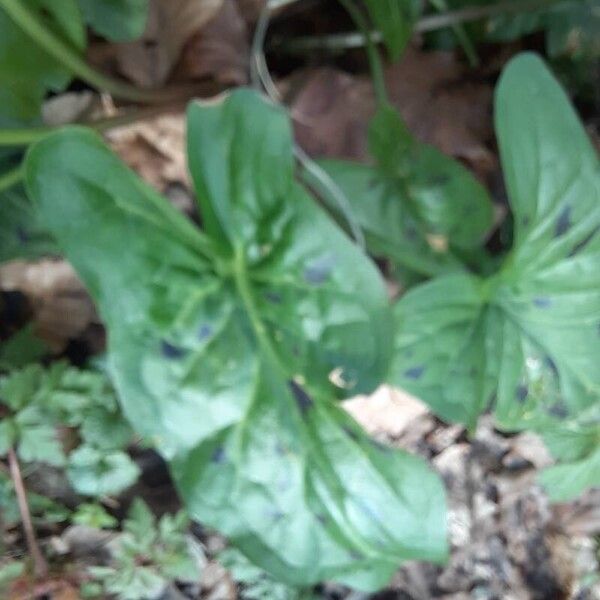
column 116, row 20
column 96, row 473
column 21, row 349
column 38, row 439
column 395, row 19
column 9, row 572
column 26, row 71
column 21, row 233
column 526, row 339
column 566, row 481
column 93, row 515
column 413, row 197
column 222, row 346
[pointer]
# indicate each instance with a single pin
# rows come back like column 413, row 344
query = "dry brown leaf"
column 149, row 60
column 441, row 107
column 331, row 110
column 155, row 149
column 387, row 412
column 221, row 50
column 62, row 309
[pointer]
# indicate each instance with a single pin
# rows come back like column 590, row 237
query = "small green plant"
column 255, row 584
column 149, row 555
column 93, row 515
column 230, row 346
column 45, row 410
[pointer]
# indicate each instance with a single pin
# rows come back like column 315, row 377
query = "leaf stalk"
column 40, row 566
column 34, row 27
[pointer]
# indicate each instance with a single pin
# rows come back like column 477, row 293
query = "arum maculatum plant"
column 230, row 344
column 224, row 343
column 524, row 342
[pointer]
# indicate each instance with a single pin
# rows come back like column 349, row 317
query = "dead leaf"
column 155, row 149
column 387, row 412
column 440, row 105
column 331, row 110
column 62, row 308
column 221, row 50
column 149, row 60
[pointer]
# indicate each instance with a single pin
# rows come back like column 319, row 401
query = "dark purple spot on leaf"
column 373, row 183
column 351, row 434
column 379, row 446
column 558, row 410
column 414, row 372
column 303, row 400
column 273, row 297
column 218, row 456
column 204, row 332
column 354, row 555
column 521, row 393
column 542, row 302
column 439, row 180
column 525, row 221
column 318, row 270
column 584, row 242
column 170, row 351
column 563, row 224
column 22, row 235
column 551, row 365
column 322, row 519
column 411, row 233
column 275, row 514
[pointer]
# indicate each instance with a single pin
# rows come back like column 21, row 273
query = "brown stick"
column 40, row 566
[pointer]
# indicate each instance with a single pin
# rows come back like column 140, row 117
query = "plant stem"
column 461, row 35
column 372, row 52
column 29, row 135
column 475, row 13
column 40, row 567
column 11, row 178
column 345, row 41
column 29, row 22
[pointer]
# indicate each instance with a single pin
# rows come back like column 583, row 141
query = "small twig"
column 29, row 135
column 40, row 567
column 347, row 41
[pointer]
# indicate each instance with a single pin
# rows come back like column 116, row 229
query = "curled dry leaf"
column 387, row 412
column 62, row 309
column 221, row 50
column 149, row 60
column 154, row 149
column 332, row 108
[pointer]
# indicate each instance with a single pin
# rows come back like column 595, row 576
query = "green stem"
column 29, row 22
column 29, row 135
column 461, row 35
column 11, row 178
column 372, row 52
column 345, row 41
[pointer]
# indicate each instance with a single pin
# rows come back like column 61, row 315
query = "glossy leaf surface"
column 527, row 339
column 222, row 345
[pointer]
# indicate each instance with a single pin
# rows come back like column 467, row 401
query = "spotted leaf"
column 527, row 340
column 229, row 346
